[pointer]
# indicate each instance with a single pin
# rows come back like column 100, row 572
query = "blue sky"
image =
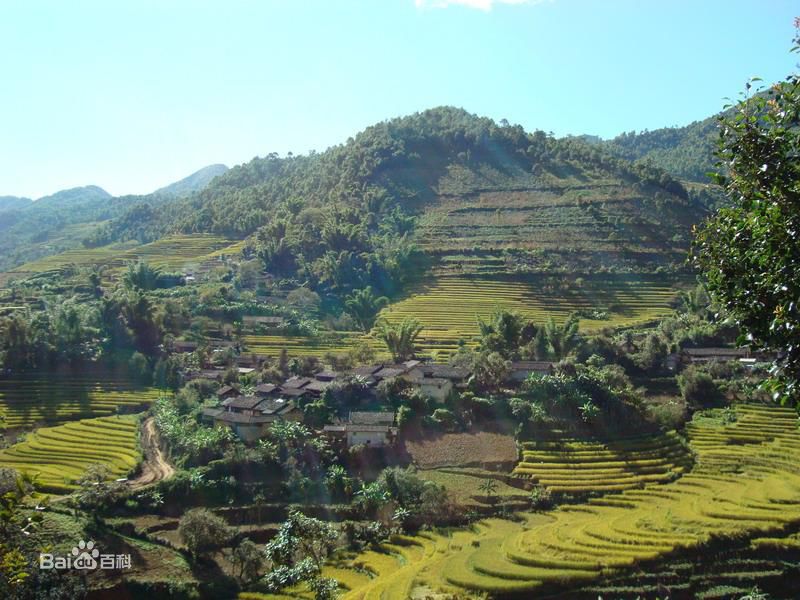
column 132, row 95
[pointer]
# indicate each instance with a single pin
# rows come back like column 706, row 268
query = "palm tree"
column 563, row 338
column 399, row 338
column 489, row 487
column 364, row 306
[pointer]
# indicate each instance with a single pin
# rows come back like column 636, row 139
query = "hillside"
column 193, row 183
column 482, row 196
column 685, row 152
column 13, row 203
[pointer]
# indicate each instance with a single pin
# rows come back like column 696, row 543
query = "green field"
column 583, row 467
column 49, row 398
column 449, row 306
column 170, row 253
column 745, row 484
column 59, row 456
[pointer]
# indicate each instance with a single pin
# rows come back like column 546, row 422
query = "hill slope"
column 193, row 183
column 480, row 192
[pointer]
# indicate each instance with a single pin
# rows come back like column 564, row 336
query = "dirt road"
column 155, row 466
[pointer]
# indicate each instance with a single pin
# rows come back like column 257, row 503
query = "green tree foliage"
column 363, row 305
column 140, row 276
column 563, row 338
column 204, row 532
column 298, row 552
column 750, row 251
column 400, row 338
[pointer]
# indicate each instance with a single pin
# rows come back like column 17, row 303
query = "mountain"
column 72, row 198
column 476, row 193
column 13, row 203
column 193, row 183
column 685, row 152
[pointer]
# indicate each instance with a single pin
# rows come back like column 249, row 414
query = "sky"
column 132, row 95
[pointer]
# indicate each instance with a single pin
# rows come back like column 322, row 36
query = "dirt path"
column 155, row 466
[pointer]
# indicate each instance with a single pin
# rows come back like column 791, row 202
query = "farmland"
column 449, row 306
column 59, row 456
column 744, row 486
column 582, row 467
column 170, row 253
column 28, row 400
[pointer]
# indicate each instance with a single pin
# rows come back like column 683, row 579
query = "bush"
column 699, row 389
column 202, row 531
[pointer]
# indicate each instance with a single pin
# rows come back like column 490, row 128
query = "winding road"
column 155, row 466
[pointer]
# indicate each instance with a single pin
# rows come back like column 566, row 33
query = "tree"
column 399, row 337
column 298, row 552
column 247, row 560
column 363, row 305
column 203, row 532
column 750, row 250
column 489, row 488
column 491, row 370
column 563, row 338
column 140, row 276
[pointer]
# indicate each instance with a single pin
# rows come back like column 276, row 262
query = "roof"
column 212, row 412
column 366, row 371
column 439, row 381
column 335, row 428
column 211, row 373
column 371, row 418
column 446, row 371
column 266, row 388
column 531, row 365
column 387, row 372
column 244, row 402
column 264, row 320
column 317, row 386
column 326, row 376
column 293, row 392
column 275, row 406
column 717, row 351
column 295, row 382
column 226, row 389
column 245, row 370
column 234, row 417
column 184, row 345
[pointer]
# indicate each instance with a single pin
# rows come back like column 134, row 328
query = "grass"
column 464, row 487
column 59, row 456
column 28, row 401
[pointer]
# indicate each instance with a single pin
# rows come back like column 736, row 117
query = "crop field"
column 336, row 343
column 449, row 306
column 59, row 456
column 745, row 484
column 170, row 254
column 581, row 467
column 28, row 401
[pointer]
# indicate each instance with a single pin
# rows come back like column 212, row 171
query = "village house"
column 437, row 381
column 371, row 429
column 704, row 355
column 250, row 417
column 522, row 369
column 227, row 392
column 266, row 322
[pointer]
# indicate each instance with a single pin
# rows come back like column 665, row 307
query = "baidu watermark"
column 85, row 557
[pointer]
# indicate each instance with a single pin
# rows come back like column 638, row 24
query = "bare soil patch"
column 480, row 448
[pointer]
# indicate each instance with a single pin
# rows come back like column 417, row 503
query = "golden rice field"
column 271, row 345
column 745, row 484
column 449, row 306
column 584, row 467
column 59, row 456
column 169, row 253
column 28, row 401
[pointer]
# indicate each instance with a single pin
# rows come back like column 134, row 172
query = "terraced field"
column 170, row 253
column 449, row 306
column 745, row 485
column 59, row 456
column 584, row 467
column 28, row 401
column 337, row 343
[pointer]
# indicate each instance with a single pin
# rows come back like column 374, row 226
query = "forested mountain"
column 454, row 183
column 193, row 183
column 684, row 152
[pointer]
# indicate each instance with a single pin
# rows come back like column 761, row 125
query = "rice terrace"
column 403, row 353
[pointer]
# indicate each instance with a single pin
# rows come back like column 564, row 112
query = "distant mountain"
column 193, row 183
column 72, row 198
column 13, row 203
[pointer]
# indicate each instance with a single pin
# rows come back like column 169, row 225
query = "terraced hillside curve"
column 59, row 456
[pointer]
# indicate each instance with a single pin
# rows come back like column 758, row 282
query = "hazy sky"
column 132, row 95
